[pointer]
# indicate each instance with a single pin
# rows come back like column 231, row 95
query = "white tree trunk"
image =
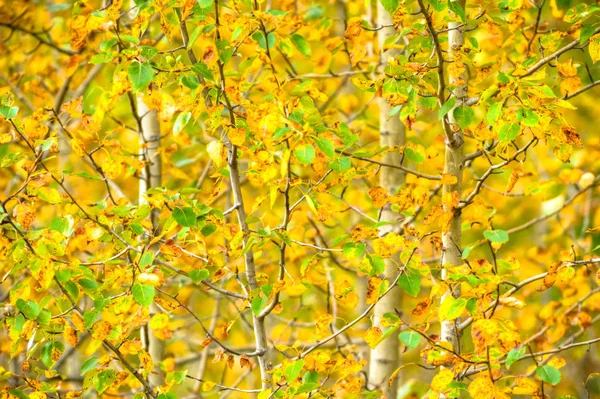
column 385, row 357
column 453, row 164
column 151, row 177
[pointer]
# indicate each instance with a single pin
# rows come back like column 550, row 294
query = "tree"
column 281, row 199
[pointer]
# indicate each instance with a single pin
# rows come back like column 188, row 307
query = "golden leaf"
column 373, row 336
column 353, row 28
column 70, row 335
column 512, row 302
column 441, row 381
column 101, row 330
column 373, row 290
column 79, row 32
column 379, row 196
column 482, row 388
column 245, row 362
column 594, row 48
column 217, row 153
column 388, row 245
column 146, row 361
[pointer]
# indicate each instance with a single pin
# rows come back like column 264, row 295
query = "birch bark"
column 453, row 164
column 385, row 357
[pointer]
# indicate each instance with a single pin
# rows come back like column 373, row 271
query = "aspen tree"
column 149, row 136
column 385, row 357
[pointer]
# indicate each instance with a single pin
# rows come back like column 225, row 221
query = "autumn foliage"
column 212, row 198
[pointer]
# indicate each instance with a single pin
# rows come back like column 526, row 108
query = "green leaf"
column 140, row 75
column 410, row 338
column 305, row 154
column 497, row 236
column 202, row 69
column 464, row 116
column 176, row 376
column 224, row 50
column 438, row 5
column 104, row 379
column 414, row 155
column 390, row 5
column 208, row 230
column 181, row 121
column 586, row 32
column 148, row 52
column 301, row 44
column 446, row 107
column 377, row 265
column 548, row 374
column 508, row 132
column 260, row 38
column 292, row 371
column 186, row 216
column 89, row 364
column 47, row 350
column 527, row 117
column 353, row 250
column 18, row 393
column 190, row 81
column 197, row 275
column 146, row 260
column 143, row 294
column 514, row 355
column 494, row 113
column 341, row 165
column 44, row 317
column 59, row 224
column 410, row 283
column 455, row 7
column 451, row 308
column 29, row 308
column 310, row 377
column 258, row 304
column 9, row 112
column 325, row 146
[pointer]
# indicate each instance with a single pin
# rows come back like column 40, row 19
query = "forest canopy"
column 299, row 199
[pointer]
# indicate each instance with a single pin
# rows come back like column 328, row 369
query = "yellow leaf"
column 565, row 274
column 595, row 48
column 373, row 290
column 570, row 85
column 79, row 32
column 525, row 386
column 146, row 361
column 207, row 386
column 373, row 336
column 101, row 330
column 441, row 381
column 389, row 245
column 78, row 322
column 557, row 362
column 354, row 28
column 483, row 333
column 512, row 302
column 566, row 69
column 70, row 335
column 322, row 327
column 379, row 196
column 482, row 388
column 217, row 153
column 237, row 135
column 159, row 321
